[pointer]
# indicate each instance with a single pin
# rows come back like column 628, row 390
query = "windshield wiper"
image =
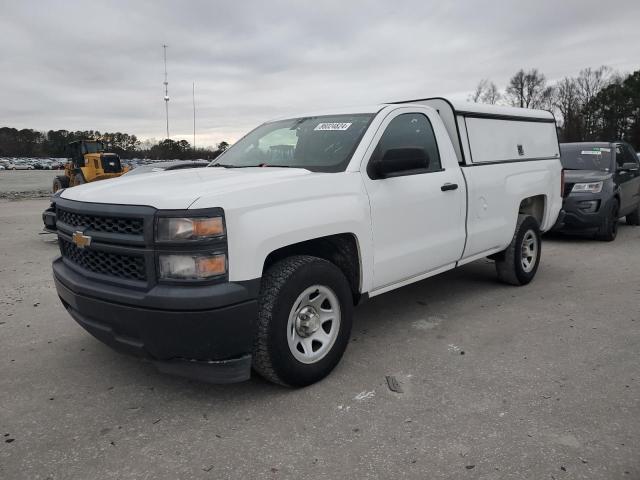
column 227, row 165
column 261, row 165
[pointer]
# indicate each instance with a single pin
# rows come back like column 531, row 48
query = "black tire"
column 509, row 265
column 634, row 217
column 281, row 286
column 60, row 182
column 608, row 231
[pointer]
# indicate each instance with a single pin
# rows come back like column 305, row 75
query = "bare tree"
column 479, row 92
column 567, row 101
column 567, row 104
column 547, row 100
column 491, row 95
column 516, row 89
column 527, row 89
column 486, row 92
column 589, row 84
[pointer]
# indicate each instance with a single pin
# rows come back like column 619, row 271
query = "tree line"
column 596, row 105
column 33, row 143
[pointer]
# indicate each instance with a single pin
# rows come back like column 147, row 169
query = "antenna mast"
column 194, row 116
column 166, row 89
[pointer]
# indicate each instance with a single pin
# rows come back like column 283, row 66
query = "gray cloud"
column 82, row 65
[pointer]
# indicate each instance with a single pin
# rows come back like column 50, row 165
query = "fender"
column 297, row 211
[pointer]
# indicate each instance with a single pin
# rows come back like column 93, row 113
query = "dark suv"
column 601, row 185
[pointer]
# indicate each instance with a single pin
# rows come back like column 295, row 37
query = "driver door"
column 418, row 216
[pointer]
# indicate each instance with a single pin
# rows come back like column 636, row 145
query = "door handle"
column 449, row 186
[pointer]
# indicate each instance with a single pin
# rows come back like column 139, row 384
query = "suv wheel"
column 608, row 231
column 304, row 321
column 518, row 264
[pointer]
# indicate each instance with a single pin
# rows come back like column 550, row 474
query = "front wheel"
column 518, row 264
column 608, row 231
column 60, row 182
column 304, row 321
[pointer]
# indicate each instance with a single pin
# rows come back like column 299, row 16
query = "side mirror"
column 401, row 161
column 629, row 166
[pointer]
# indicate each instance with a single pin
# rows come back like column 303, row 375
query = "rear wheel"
column 608, row 230
column 60, row 182
column 304, row 321
column 634, row 217
column 518, row 264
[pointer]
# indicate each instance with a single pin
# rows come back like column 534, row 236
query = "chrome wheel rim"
column 314, row 323
column 529, row 251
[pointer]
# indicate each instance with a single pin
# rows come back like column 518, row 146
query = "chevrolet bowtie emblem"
column 81, row 240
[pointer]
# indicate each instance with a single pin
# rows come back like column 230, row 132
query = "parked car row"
column 14, row 163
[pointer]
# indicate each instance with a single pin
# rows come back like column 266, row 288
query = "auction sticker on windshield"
column 332, row 126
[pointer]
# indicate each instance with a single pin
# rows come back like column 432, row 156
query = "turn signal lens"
column 177, row 228
column 211, row 266
column 207, row 227
column 192, row 267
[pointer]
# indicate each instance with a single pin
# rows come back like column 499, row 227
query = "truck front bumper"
column 204, row 333
column 49, row 219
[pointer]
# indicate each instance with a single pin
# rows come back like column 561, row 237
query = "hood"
column 576, row 176
column 178, row 189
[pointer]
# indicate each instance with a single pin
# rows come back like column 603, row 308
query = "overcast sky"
column 98, row 65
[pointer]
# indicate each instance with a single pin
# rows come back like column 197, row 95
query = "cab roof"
column 459, row 107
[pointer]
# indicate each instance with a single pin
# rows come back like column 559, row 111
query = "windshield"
column 93, row 147
column 321, row 144
column 585, row 157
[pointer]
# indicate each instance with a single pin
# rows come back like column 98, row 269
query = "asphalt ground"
column 497, row 382
column 18, row 184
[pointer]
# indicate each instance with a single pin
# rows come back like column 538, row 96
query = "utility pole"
column 166, row 89
column 194, row 116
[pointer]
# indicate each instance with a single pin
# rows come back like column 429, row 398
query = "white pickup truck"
column 258, row 260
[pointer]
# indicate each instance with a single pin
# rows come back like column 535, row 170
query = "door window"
column 623, row 155
column 411, row 130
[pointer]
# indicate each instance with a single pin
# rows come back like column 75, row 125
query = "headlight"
column 177, row 228
column 593, row 187
column 192, row 266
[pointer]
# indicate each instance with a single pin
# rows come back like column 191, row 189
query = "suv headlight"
column 176, row 229
column 191, row 266
column 593, row 187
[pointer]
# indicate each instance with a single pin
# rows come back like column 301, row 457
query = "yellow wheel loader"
column 88, row 162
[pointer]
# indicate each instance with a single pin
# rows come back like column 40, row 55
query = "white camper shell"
column 489, row 133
